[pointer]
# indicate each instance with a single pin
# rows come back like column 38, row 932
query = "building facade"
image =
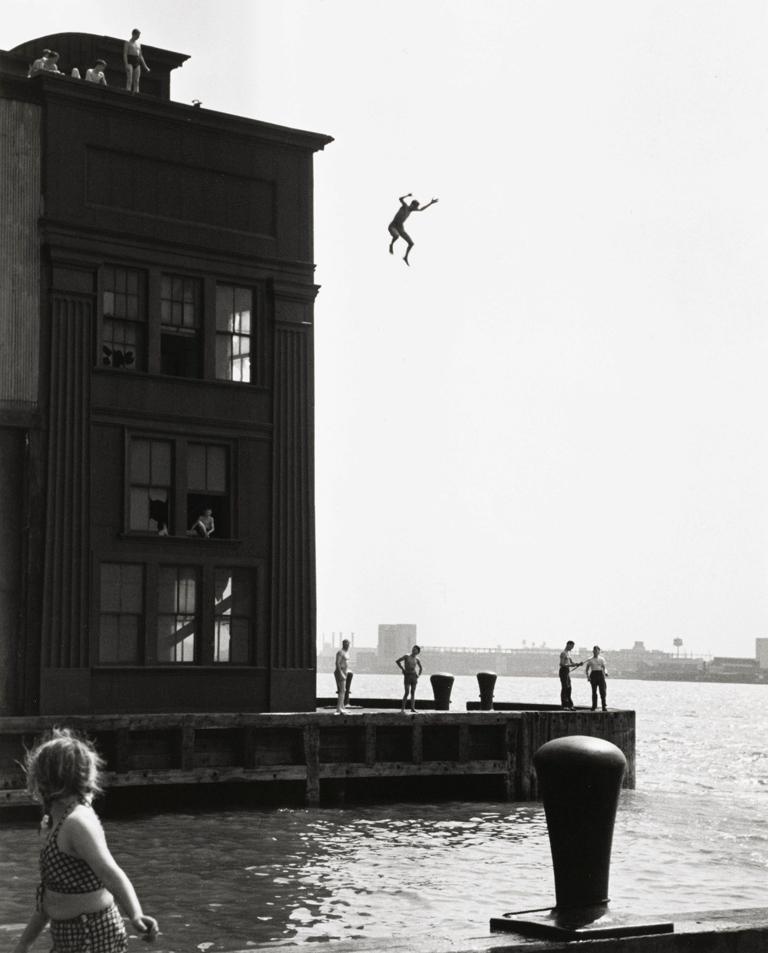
column 156, row 397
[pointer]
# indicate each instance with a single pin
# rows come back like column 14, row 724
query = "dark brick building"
column 156, row 361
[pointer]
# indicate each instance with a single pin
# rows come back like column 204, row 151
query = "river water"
column 693, row 835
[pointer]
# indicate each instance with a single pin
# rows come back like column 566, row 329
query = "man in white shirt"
column 566, row 664
column 596, row 671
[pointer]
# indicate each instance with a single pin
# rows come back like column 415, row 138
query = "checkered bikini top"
column 63, row 872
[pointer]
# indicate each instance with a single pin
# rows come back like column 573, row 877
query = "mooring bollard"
column 486, row 682
column 347, row 687
column 442, row 684
column 579, row 783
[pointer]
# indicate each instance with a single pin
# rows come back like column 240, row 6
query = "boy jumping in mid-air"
column 396, row 229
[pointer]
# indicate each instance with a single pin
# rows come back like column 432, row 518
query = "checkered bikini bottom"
column 102, row 932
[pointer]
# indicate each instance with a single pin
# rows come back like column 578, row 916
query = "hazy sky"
column 552, row 424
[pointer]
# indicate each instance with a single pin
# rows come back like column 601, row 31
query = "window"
column 180, row 324
column 121, row 613
column 151, row 496
column 207, row 488
column 177, row 621
column 234, row 315
column 123, row 330
column 232, row 616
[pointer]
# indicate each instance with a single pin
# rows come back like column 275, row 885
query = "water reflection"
column 235, row 879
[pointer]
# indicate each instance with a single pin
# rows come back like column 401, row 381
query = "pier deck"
column 324, row 755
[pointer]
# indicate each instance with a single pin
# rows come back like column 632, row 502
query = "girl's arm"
column 87, row 841
column 31, row 932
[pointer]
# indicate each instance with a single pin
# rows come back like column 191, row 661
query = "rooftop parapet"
column 81, row 50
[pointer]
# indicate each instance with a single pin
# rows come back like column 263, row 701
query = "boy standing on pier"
column 340, row 670
column 596, row 671
column 566, row 664
column 408, row 665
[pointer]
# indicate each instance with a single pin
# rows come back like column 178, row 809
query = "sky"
column 550, row 425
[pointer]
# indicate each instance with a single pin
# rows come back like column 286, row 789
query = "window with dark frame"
column 180, row 326
column 232, row 616
column 234, row 333
column 177, row 614
column 208, row 486
column 150, row 474
column 123, row 318
column 121, row 613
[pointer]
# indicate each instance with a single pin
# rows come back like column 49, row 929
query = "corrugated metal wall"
column 20, row 207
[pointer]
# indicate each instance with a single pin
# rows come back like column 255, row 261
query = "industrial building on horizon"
column 541, row 660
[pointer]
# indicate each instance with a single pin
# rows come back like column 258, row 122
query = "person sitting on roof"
column 39, row 65
column 96, row 73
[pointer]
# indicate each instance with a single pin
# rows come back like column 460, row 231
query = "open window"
column 180, row 326
column 208, row 504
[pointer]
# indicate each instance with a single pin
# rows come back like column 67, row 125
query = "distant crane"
column 677, row 643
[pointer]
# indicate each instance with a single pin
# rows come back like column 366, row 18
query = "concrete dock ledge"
column 710, row 931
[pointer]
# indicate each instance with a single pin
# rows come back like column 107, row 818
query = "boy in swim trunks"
column 396, row 229
column 410, row 666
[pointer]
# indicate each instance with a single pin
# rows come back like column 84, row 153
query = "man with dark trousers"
column 596, row 671
column 566, row 664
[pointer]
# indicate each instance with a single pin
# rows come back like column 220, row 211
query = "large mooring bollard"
column 579, row 783
column 486, row 682
column 442, row 685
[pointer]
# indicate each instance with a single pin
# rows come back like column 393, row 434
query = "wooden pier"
column 484, row 755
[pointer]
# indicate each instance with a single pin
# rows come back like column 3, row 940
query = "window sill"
column 177, row 667
column 187, row 540
column 146, row 375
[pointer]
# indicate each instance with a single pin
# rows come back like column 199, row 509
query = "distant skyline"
column 551, row 424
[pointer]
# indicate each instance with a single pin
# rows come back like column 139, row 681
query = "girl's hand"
column 147, row 926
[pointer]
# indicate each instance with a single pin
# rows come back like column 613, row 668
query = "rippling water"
column 693, row 835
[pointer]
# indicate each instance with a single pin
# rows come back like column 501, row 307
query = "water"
column 694, row 835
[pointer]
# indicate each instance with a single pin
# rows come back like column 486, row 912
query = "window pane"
column 139, row 461
column 186, row 591
column 108, row 640
column 223, row 307
column 221, row 640
column 110, row 587
column 223, row 592
column 132, row 589
column 128, row 639
column 196, row 466
column 239, row 652
column 216, row 471
column 223, row 357
column 108, row 303
column 139, row 509
column 160, row 470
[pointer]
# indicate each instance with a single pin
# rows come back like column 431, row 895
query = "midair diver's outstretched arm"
column 404, row 197
column 425, row 207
